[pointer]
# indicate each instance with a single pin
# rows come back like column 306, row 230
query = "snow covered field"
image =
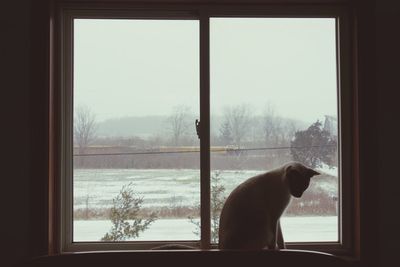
column 166, row 188
column 95, row 188
column 295, row 229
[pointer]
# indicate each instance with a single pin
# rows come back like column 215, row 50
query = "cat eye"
column 164, row 111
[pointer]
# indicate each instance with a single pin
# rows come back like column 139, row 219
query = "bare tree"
column 225, row 134
column 85, row 127
column 238, row 120
column 270, row 125
column 276, row 130
column 289, row 130
column 179, row 123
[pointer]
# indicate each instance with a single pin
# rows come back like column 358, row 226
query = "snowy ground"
column 295, row 229
column 95, row 188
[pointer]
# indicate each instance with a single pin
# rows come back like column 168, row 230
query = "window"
column 273, row 85
column 166, row 110
column 136, row 98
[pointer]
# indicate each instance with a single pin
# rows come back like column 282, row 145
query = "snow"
column 173, row 188
column 295, row 229
column 158, row 187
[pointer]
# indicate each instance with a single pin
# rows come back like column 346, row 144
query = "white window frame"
column 346, row 112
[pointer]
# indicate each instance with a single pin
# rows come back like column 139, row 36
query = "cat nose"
column 298, row 194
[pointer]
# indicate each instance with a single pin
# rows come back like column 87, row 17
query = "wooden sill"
column 186, row 258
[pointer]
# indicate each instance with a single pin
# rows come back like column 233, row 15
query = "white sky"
column 146, row 67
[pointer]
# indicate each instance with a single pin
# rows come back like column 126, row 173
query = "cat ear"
column 291, row 171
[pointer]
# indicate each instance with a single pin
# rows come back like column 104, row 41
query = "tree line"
column 238, row 129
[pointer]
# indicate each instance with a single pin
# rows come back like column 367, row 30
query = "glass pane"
column 274, row 100
column 136, row 153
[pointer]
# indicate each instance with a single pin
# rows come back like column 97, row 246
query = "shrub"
column 124, row 216
column 217, row 203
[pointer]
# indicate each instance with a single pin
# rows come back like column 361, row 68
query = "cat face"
column 298, row 177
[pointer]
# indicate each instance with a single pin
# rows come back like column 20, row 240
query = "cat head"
column 298, row 177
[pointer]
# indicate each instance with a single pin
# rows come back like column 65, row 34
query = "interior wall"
column 365, row 44
column 15, row 131
column 388, row 77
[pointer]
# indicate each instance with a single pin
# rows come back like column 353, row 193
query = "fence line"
column 212, row 150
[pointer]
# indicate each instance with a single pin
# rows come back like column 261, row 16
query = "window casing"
column 203, row 14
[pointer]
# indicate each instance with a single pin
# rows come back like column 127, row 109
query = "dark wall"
column 15, row 131
column 23, row 129
column 388, row 87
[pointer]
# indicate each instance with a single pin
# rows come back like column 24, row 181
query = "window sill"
column 211, row 257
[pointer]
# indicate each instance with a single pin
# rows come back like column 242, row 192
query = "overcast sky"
column 146, row 67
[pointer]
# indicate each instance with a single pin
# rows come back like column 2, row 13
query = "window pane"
column 274, row 100
column 136, row 98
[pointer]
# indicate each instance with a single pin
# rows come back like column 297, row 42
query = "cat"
column 250, row 217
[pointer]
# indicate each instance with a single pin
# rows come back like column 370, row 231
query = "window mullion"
column 205, row 130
